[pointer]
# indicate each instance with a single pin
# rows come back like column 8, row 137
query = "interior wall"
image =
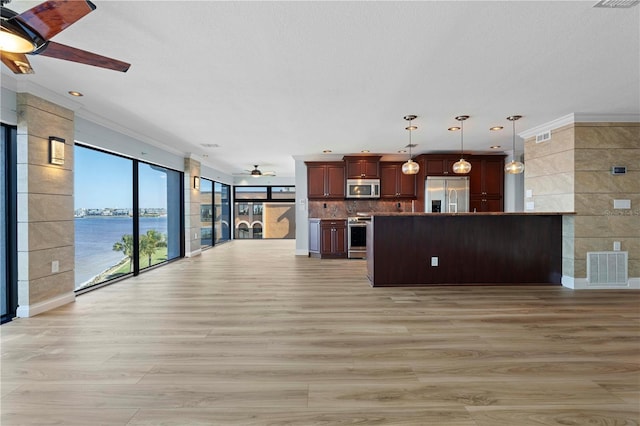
column 192, row 223
column 45, row 207
column 598, row 147
column 572, row 173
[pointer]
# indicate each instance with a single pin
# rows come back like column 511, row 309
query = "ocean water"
column 95, row 237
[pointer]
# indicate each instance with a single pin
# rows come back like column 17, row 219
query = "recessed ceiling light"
column 326, row 151
column 402, row 151
column 364, row 151
column 210, row 145
column 494, row 128
column 74, row 93
column 495, row 147
column 453, row 129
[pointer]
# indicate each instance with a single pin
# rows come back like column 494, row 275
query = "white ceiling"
column 270, row 80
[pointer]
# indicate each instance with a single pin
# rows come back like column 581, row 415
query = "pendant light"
column 462, row 166
column 514, row 167
column 410, row 167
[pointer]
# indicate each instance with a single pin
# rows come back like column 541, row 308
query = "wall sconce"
column 56, row 150
column 196, row 182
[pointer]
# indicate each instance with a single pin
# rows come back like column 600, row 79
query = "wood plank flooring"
column 249, row 334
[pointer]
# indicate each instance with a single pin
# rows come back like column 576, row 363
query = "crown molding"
column 579, row 118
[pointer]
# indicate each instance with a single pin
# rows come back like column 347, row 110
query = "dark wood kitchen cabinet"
column 440, row 165
column 394, row 183
column 486, row 183
column 362, row 167
column 328, row 238
column 325, row 180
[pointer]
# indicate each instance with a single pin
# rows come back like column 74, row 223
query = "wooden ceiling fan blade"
column 51, row 17
column 68, row 53
column 16, row 62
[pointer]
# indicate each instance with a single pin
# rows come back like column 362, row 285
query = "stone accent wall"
column 549, row 172
column 45, row 207
column 572, row 173
column 598, row 147
column 192, row 223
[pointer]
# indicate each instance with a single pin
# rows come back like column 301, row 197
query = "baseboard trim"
column 193, row 253
column 27, row 311
column 583, row 284
column 301, row 252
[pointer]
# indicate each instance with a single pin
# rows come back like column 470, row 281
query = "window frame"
column 136, row 270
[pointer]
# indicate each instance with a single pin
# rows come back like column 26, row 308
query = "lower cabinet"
column 328, row 238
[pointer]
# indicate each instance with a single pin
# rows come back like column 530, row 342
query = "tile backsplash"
column 347, row 208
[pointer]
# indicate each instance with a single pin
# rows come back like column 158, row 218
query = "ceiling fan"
column 30, row 33
column 256, row 172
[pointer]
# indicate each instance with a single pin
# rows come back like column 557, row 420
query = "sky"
column 103, row 180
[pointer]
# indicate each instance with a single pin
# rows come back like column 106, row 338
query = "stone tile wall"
column 192, row 223
column 45, row 207
column 598, row 147
column 572, row 173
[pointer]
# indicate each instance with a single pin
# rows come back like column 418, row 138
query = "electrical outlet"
column 196, row 237
column 55, row 267
column 616, row 246
column 434, row 261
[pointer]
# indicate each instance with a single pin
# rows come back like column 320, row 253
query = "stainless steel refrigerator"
column 447, row 194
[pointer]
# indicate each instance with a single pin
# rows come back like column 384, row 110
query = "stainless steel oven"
column 357, row 237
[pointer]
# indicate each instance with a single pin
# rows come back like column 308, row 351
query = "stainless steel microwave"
column 363, row 188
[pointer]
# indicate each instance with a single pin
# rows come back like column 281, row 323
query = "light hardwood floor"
column 249, row 334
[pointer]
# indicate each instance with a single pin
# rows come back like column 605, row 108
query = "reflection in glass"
column 222, row 210
column 159, row 212
column 206, row 212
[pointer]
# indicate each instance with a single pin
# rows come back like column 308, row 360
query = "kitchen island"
column 425, row 249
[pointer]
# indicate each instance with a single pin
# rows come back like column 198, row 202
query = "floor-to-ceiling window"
column 159, row 214
column 222, row 223
column 103, row 203
column 128, row 216
column 206, row 213
column 8, row 249
column 264, row 212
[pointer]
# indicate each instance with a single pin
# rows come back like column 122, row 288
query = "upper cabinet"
column 486, row 183
column 394, row 183
column 440, row 165
column 326, row 180
column 362, row 167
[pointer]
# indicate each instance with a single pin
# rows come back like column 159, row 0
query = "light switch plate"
column 529, row 193
column 434, row 261
column 55, row 267
column 616, row 246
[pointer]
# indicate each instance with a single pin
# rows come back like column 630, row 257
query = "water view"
column 95, row 238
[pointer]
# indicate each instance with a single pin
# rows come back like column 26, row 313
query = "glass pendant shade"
column 514, row 167
column 461, row 166
column 410, row 167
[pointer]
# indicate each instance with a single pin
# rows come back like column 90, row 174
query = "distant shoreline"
column 104, row 275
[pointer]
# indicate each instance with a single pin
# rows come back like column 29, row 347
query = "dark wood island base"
column 425, row 249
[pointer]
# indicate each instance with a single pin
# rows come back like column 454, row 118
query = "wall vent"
column 607, row 268
column 624, row 4
column 546, row 136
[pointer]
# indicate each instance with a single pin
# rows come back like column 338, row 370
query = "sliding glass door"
column 128, row 216
column 222, row 200
column 158, row 214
